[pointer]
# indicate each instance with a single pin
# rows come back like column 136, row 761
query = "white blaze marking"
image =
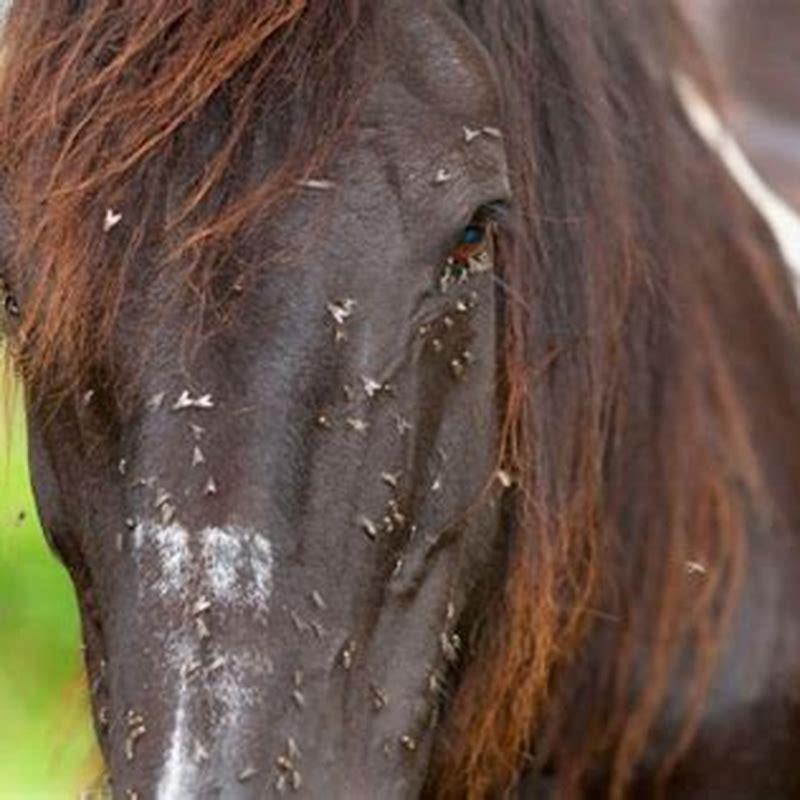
column 226, row 680
column 777, row 213
column 229, row 567
column 176, row 780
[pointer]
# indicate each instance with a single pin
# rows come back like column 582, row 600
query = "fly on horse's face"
column 272, row 554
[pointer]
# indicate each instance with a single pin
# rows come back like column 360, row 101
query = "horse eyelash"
column 496, row 211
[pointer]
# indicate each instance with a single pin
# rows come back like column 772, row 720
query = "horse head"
column 396, row 382
column 276, row 487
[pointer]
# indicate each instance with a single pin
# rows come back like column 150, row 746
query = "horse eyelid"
column 492, row 214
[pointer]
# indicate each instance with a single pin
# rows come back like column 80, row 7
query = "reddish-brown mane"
column 102, row 104
column 634, row 371
column 634, row 378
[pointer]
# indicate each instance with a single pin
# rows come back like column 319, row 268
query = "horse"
column 413, row 397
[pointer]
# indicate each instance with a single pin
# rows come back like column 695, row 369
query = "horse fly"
column 504, row 478
column 442, row 176
column 392, row 480
column 136, row 729
column 372, row 387
column 199, row 753
column 202, row 629
column 186, row 401
column 471, row 134
column 198, row 457
column 111, row 220
column 358, row 425
column 348, row 654
column 292, row 750
column 450, row 645
column 288, row 774
column 324, row 421
column 342, row 310
column 156, row 401
column 299, row 699
column 402, row 424
column 368, row 527
column 247, row 774
column 317, row 184
column 299, row 623
column 380, row 699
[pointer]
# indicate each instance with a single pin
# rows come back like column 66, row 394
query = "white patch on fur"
column 777, row 213
column 238, row 562
column 232, row 565
column 177, row 779
column 230, row 568
column 229, row 680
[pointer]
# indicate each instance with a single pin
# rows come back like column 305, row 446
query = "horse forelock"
column 626, row 424
column 97, row 101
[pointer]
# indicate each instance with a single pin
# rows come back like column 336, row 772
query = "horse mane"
column 660, row 326
column 634, row 363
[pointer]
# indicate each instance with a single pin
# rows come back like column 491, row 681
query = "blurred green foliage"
column 45, row 731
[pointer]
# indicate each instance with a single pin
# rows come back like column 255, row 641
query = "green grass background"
column 45, row 733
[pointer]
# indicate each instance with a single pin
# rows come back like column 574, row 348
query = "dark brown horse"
column 413, row 397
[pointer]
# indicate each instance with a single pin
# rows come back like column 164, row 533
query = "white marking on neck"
column 777, row 213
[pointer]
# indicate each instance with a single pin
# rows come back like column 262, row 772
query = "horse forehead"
column 438, row 58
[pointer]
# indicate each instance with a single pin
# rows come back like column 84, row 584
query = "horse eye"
column 10, row 304
column 474, row 253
